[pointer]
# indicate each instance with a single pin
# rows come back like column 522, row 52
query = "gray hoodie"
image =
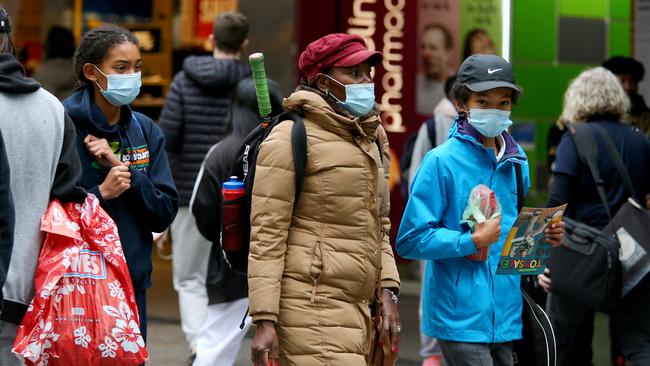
column 44, row 164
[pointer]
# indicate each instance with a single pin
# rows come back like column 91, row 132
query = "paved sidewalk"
column 167, row 345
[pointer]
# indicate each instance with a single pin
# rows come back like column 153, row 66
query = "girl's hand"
column 117, row 181
column 555, row 233
column 101, row 150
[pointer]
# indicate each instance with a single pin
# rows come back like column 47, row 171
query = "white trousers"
column 220, row 337
column 190, row 253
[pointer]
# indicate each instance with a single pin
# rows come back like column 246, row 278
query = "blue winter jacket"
column 463, row 300
column 151, row 203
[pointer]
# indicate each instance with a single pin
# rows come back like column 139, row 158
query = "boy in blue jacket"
column 474, row 313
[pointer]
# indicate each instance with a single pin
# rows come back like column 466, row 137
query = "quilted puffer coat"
column 313, row 267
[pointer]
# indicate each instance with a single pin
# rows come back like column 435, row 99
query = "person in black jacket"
column 39, row 141
column 122, row 152
column 220, row 336
column 194, row 119
column 596, row 97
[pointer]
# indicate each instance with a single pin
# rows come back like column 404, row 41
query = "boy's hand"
column 487, row 233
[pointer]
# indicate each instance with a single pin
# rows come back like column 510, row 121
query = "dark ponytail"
column 94, row 46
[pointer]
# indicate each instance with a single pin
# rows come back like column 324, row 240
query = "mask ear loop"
column 100, row 71
column 327, row 92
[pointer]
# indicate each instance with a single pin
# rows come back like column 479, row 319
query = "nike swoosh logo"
column 490, row 71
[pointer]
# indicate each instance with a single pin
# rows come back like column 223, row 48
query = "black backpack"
column 236, row 213
column 407, row 154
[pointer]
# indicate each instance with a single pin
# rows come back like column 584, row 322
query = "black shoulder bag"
column 586, row 268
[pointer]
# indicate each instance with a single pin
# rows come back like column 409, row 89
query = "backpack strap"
column 588, row 153
column 431, row 130
column 138, row 125
column 298, row 148
column 520, row 187
column 618, row 161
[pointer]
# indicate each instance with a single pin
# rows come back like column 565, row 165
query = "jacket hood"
column 213, row 74
column 89, row 119
column 312, row 106
column 12, row 76
column 462, row 127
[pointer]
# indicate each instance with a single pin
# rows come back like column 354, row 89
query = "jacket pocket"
column 316, row 267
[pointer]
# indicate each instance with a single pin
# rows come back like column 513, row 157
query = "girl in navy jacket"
column 122, row 152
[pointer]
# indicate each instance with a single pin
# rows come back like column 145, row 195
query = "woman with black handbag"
column 596, row 98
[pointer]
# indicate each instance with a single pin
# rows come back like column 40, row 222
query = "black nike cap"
column 484, row 72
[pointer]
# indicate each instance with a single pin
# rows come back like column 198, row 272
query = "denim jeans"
column 476, row 354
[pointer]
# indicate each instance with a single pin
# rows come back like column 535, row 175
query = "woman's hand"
column 555, row 233
column 487, row 233
column 101, row 150
column 544, row 280
column 265, row 350
column 391, row 324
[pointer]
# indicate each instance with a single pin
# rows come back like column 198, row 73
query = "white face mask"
column 359, row 98
column 489, row 122
column 122, row 89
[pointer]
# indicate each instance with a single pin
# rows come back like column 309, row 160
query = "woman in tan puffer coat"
column 313, row 265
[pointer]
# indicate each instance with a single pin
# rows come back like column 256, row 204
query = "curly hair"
column 95, row 45
column 594, row 92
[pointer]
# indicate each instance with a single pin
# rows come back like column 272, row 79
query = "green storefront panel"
column 534, row 31
column 620, row 39
column 583, row 8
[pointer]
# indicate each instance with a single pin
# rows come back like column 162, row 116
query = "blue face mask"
column 489, row 122
column 359, row 98
column 122, row 88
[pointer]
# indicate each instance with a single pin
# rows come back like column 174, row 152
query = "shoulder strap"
column 137, row 124
column 431, row 130
column 588, row 153
column 299, row 148
column 618, row 161
column 520, row 187
column 380, row 141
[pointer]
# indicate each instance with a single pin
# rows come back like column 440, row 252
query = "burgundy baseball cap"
column 337, row 49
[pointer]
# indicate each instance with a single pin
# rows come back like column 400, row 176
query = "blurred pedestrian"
column 194, row 119
column 220, row 337
column 312, row 273
column 474, row 313
column 436, row 42
column 478, row 41
column 122, row 151
column 630, row 72
column 597, row 98
column 56, row 74
column 44, row 164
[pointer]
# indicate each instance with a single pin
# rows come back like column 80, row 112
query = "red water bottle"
column 233, row 192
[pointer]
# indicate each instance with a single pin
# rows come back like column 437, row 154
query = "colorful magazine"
column 526, row 250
